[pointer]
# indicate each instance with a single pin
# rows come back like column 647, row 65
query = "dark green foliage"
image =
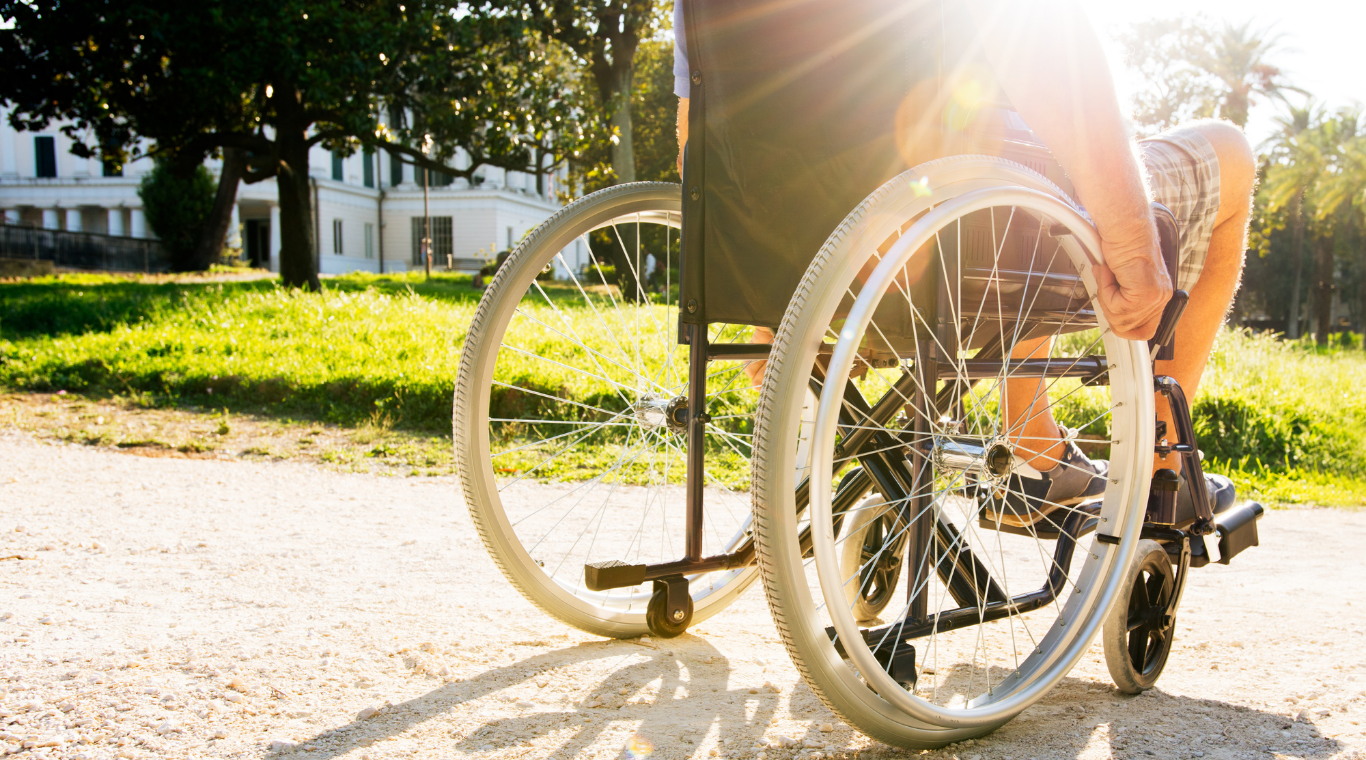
column 177, row 208
column 274, row 78
column 1232, row 429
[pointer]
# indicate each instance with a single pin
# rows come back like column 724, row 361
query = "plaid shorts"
column 1183, row 172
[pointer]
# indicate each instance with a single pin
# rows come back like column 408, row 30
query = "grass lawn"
column 379, row 353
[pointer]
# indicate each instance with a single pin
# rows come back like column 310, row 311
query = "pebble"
column 220, row 734
column 46, row 620
column 6, row 615
column 237, row 684
column 281, row 745
column 232, row 696
column 167, row 727
column 827, row 728
column 367, row 712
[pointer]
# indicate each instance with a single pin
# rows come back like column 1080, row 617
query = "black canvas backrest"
column 793, row 122
column 799, row 110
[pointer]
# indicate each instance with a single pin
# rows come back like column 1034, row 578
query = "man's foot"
column 1026, row 500
column 1221, row 497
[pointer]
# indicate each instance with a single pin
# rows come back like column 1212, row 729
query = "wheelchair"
column 627, row 478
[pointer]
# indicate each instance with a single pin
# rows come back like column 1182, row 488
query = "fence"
column 83, row 250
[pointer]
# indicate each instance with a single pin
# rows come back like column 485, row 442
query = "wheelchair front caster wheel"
column 660, row 621
column 1141, row 626
column 873, row 548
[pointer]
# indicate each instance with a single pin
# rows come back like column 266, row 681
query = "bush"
column 177, row 208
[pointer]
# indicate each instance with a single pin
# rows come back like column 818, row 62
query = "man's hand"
column 1133, row 285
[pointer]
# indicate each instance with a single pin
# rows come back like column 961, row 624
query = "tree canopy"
column 1194, row 68
column 418, row 79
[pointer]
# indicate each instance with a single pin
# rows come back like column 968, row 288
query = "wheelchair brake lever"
column 1161, row 343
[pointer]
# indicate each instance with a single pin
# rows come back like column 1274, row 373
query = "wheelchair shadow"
column 687, row 707
column 1080, row 717
column 1085, row 715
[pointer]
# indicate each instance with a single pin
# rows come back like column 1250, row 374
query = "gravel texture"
column 162, row 607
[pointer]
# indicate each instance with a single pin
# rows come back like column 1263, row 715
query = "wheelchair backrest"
column 802, row 108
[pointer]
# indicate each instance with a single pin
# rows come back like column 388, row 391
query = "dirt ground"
column 206, row 608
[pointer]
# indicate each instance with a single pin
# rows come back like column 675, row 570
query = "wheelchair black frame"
column 896, row 465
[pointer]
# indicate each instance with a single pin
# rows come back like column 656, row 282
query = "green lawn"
column 1286, row 420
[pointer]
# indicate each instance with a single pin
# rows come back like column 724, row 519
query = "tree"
column 273, row 79
column 605, row 35
column 177, row 202
column 1194, row 69
column 1315, row 177
column 1343, row 191
column 1296, row 161
column 654, row 110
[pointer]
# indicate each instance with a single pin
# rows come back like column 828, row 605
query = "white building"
column 367, row 207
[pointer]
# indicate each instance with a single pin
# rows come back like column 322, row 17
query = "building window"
column 441, row 239
column 395, row 170
column 45, row 153
column 509, row 238
column 369, row 240
column 368, row 168
column 112, row 169
column 337, row 236
column 442, row 179
column 338, row 167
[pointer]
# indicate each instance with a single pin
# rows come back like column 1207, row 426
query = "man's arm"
column 1049, row 61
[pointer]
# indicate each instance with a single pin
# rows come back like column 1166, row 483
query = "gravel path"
column 154, row 607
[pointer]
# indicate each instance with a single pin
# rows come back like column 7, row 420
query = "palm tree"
column 1342, row 189
column 1296, row 163
column 1238, row 57
column 1195, row 69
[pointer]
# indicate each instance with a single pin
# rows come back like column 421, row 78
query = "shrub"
column 177, row 208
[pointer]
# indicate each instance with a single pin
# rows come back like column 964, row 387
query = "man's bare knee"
column 1237, row 168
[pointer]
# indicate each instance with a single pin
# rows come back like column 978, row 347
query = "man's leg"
column 1029, row 418
column 1212, row 295
column 1210, row 299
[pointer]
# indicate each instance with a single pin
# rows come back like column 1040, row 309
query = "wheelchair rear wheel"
column 567, row 436
column 950, row 292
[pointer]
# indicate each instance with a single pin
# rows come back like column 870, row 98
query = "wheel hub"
column 654, row 412
column 999, row 458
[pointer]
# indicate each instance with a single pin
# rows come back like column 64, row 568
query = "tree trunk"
column 215, row 232
column 1292, row 321
column 623, row 151
column 298, row 266
column 1323, row 288
column 1237, row 104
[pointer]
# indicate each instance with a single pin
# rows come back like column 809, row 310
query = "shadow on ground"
column 698, row 704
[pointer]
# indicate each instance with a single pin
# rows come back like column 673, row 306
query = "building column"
column 50, row 219
column 274, row 238
column 9, row 166
column 137, row 223
column 73, row 220
column 234, row 238
column 115, row 226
